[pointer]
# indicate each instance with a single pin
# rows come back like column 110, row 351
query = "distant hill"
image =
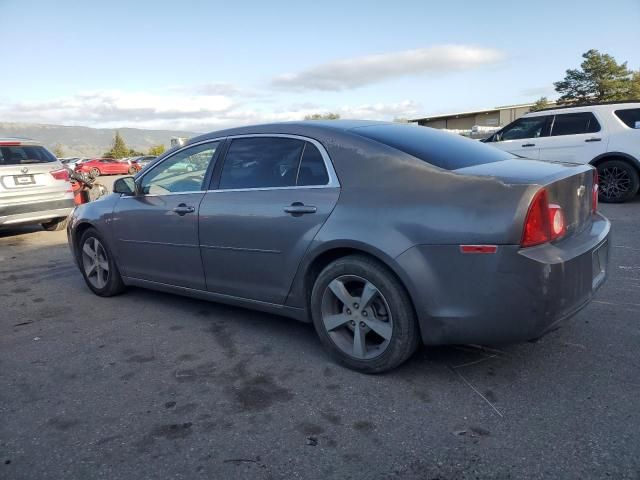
column 86, row 141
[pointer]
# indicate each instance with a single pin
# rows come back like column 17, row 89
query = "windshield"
column 24, row 154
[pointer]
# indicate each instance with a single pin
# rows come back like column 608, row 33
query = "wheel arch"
column 625, row 157
column 316, row 260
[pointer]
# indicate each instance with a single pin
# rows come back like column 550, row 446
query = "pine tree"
column 599, row 79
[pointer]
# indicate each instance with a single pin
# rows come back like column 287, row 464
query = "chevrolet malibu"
column 384, row 236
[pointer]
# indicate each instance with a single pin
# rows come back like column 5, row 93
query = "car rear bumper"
column 35, row 212
column 513, row 295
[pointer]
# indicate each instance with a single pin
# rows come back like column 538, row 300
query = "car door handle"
column 298, row 208
column 594, row 139
column 183, row 209
column 529, row 145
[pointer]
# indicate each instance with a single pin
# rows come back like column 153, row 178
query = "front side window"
column 261, row 162
column 182, row 172
column 574, row 124
column 630, row 117
column 525, row 127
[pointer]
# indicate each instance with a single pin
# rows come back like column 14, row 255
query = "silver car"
column 34, row 185
column 383, row 235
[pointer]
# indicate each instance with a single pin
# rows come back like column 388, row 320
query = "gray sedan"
column 383, row 235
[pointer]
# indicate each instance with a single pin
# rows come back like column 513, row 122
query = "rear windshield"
column 24, row 154
column 631, row 117
column 442, row 149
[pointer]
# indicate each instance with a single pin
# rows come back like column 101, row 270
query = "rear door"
column 156, row 230
column 574, row 137
column 273, row 195
column 522, row 136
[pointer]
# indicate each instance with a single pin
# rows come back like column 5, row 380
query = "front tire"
column 55, row 225
column 363, row 315
column 94, row 172
column 132, row 170
column 98, row 265
column 618, row 181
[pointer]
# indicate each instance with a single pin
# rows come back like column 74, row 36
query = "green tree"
column 634, row 93
column 323, row 116
column 134, row 153
column 542, row 102
column 599, row 79
column 119, row 148
column 58, row 151
column 156, row 150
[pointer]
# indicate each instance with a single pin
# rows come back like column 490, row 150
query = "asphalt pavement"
column 156, row 386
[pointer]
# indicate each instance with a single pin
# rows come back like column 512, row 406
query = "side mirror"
column 125, row 186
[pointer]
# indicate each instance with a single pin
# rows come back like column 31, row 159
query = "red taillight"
column 594, row 192
column 544, row 222
column 60, row 174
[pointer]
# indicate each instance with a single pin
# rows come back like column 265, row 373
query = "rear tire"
column 55, row 225
column 132, row 170
column 369, row 325
column 618, row 181
column 98, row 265
column 94, row 173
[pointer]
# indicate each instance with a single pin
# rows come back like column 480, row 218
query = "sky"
column 203, row 65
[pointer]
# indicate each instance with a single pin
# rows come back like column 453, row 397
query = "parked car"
column 606, row 136
column 145, row 160
column 106, row 166
column 383, row 235
column 73, row 162
column 34, row 186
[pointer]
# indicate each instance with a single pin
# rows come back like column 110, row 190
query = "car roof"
column 585, row 108
column 304, row 127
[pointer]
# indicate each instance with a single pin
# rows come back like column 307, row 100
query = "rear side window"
column 630, row 117
column 24, row 154
column 438, row 148
column 261, row 162
column 312, row 168
column 574, row 124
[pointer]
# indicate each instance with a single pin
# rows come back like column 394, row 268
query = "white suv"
column 34, row 186
column 606, row 135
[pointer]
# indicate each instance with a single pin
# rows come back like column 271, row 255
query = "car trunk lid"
column 568, row 185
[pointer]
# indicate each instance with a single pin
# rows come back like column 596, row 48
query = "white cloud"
column 360, row 71
column 176, row 111
column 117, row 108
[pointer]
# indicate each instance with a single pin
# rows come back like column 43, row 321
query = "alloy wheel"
column 357, row 317
column 95, row 262
column 614, row 183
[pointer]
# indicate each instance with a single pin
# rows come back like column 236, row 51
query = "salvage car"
column 34, row 185
column 383, row 235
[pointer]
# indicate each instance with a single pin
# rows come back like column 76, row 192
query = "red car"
column 106, row 166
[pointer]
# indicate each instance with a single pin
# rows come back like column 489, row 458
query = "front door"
column 156, row 230
column 522, row 137
column 274, row 195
